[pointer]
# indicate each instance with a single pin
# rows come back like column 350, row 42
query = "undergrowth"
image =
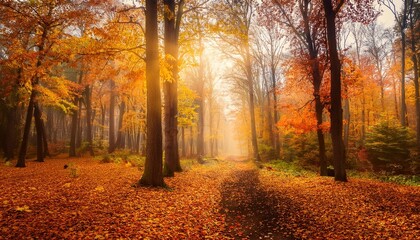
column 294, row 169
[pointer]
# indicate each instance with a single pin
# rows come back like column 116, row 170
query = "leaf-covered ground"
column 223, row 200
column 44, row 201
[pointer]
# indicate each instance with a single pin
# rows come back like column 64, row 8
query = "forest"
column 193, row 119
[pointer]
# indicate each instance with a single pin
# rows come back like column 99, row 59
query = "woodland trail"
column 251, row 211
column 272, row 204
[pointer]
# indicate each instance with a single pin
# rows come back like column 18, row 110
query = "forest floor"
column 224, row 199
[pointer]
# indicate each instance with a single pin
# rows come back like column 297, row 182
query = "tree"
column 187, row 112
column 153, row 175
column 267, row 53
column 401, row 21
column 234, row 25
column 377, row 48
column 336, row 113
column 388, row 145
column 414, row 21
column 306, row 27
column 170, row 85
column 46, row 23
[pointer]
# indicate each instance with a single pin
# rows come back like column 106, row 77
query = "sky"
column 387, row 17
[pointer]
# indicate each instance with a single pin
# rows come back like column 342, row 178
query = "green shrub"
column 122, row 157
column 291, row 169
column 107, row 158
column 388, row 145
column 73, row 170
column 266, row 152
column 303, row 149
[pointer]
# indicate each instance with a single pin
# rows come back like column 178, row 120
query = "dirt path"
column 251, row 211
column 274, row 205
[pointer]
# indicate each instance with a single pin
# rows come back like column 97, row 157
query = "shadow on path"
column 253, row 212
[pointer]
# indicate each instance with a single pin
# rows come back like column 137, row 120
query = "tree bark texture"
column 336, row 112
column 170, row 87
column 111, row 146
column 251, row 103
column 152, row 175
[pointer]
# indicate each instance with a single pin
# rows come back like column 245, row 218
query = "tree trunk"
column 73, row 132
column 89, row 132
column 111, row 146
column 43, row 131
column 26, row 130
column 210, row 104
column 346, row 115
column 191, row 142
column 120, row 135
column 336, row 113
column 103, row 115
column 320, row 136
column 251, row 103
column 276, row 112
column 403, row 116
column 31, row 105
column 363, row 116
column 416, row 72
column 172, row 163
column 183, row 152
column 271, row 127
column 153, row 175
column 39, row 134
column 79, row 126
column 200, row 110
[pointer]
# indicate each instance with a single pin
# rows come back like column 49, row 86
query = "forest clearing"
column 221, row 199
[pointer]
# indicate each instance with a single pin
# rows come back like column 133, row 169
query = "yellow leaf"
column 25, row 208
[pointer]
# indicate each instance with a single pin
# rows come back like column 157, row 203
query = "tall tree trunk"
column 414, row 59
column 73, row 132
column 191, row 142
column 319, row 108
column 273, row 118
column 200, row 103
column 111, row 146
column 89, row 119
column 211, row 129
column 394, row 89
column 103, row 115
column 79, row 126
column 170, row 86
column 31, row 105
column 403, row 25
column 403, row 116
column 153, row 175
column 336, row 109
column 183, row 152
column 346, row 115
column 270, row 124
column 39, row 134
column 120, row 135
column 251, row 103
column 26, row 130
column 363, row 115
column 320, row 136
column 120, row 143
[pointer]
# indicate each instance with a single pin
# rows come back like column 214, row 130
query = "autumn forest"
column 193, row 119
